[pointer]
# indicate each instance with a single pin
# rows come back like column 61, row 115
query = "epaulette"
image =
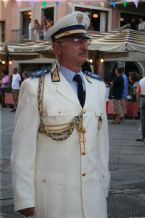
column 93, row 75
column 39, row 73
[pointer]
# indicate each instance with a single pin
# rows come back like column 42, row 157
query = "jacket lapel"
column 65, row 89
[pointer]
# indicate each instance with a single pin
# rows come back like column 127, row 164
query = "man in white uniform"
column 60, row 146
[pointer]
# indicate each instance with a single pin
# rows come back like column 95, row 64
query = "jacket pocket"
column 49, row 196
column 57, row 117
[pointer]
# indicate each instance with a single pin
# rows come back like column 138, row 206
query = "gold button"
column 83, row 153
column 84, row 174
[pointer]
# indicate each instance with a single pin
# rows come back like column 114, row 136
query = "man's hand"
column 27, row 211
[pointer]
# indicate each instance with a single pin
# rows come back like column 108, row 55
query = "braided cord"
column 52, row 131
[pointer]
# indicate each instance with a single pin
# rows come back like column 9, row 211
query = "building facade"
column 17, row 21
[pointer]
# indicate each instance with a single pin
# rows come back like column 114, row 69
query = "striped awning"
column 2, row 47
column 25, row 50
column 29, row 47
column 124, row 45
column 126, row 40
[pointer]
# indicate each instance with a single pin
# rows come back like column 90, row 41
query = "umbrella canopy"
column 125, row 44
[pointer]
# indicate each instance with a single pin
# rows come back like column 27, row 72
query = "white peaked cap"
column 74, row 24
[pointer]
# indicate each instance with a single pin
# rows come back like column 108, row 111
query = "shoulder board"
column 93, row 75
column 39, row 73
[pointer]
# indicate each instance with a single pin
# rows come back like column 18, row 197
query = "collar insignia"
column 55, row 75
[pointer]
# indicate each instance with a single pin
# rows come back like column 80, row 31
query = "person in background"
column 24, row 75
column 134, row 78
column 107, row 95
column 141, row 25
column 5, row 83
column 30, row 29
column 125, row 93
column 133, row 24
column 86, row 67
column 36, row 28
column 16, row 81
column 140, row 97
column 47, row 23
column 60, row 148
column 117, row 91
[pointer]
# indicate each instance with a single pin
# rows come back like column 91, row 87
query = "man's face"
column 72, row 50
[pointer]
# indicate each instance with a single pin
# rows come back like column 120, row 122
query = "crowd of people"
column 37, row 31
column 10, row 83
column 122, row 87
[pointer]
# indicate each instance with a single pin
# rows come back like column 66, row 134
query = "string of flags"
column 57, row 2
column 124, row 2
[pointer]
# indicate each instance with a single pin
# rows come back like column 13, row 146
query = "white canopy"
column 125, row 44
column 28, row 47
column 24, row 50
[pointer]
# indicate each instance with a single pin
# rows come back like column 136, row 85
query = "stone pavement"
column 127, row 165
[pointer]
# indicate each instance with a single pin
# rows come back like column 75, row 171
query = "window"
column 48, row 13
column 25, row 23
column 47, row 20
column 133, row 20
column 2, row 31
column 98, row 18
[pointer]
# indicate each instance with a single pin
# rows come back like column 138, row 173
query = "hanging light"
column 101, row 58
column 3, row 62
column 10, row 62
column 95, row 16
column 91, row 60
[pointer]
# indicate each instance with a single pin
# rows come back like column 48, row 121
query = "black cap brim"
column 80, row 36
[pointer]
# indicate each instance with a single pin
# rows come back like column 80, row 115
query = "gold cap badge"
column 80, row 18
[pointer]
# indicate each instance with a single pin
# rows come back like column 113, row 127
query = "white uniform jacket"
column 54, row 176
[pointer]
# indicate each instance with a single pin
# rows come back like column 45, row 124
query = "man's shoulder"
column 93, row 76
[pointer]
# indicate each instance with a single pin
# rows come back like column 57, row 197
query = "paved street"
column 127, row 165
